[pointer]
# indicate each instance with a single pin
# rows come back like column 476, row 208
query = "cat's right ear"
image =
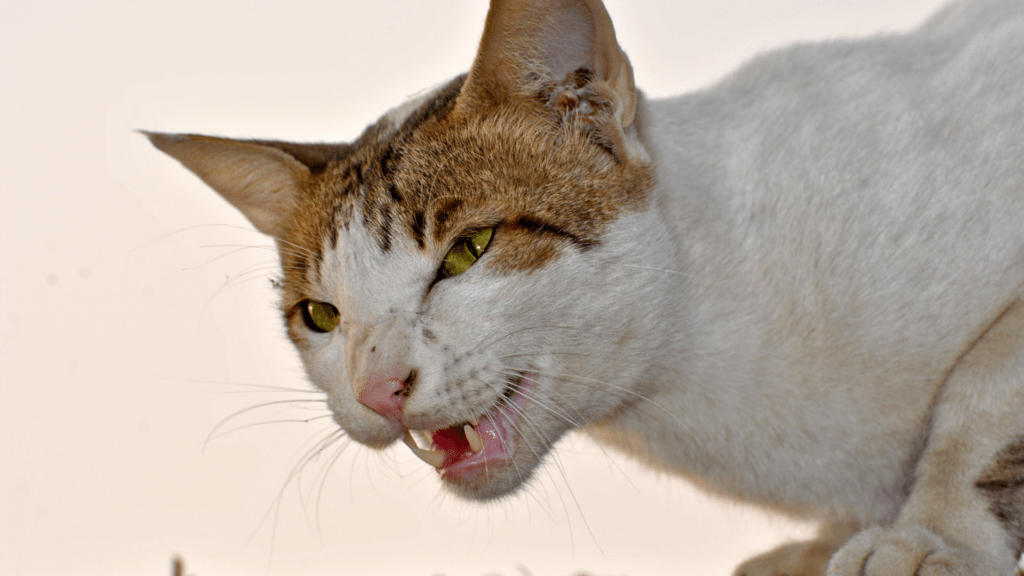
column 564, row 51
column 261, row 179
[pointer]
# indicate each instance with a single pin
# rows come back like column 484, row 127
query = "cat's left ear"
column 563, row 51
column 262, row 178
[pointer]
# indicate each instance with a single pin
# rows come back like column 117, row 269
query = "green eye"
column 320, row 316
column 465, row 252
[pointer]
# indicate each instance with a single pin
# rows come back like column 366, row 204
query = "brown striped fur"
column 1003, row 484
column 547, row 185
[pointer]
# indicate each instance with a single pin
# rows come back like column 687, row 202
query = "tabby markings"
column 1003, row 485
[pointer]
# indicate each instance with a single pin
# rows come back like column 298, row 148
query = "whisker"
column 322, row 476
column 579, row 424
column 256, row 271
column 332, row 435
column 555, row 411
column 262, row 387
column 255, row 424
column 238, row 249
column 223, row 422
column 299, row 249
column 519, row 331
column 584, row 379
column 657, row 270
column 187, row 229
column 561, row 470
column 246, row 276
column 551, row 352
column 527, row 420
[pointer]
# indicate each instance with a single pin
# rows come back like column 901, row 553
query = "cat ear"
column 563, row 50
column 261, row 178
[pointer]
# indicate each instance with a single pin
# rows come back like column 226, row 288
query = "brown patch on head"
column 523, row 249
column 1003, row 485
column 448, row 170
column 515, row 167
column 539, row 141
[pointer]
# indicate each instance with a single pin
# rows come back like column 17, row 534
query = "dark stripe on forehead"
column 417, row 226
column 396, row 196
column 387, row 161
column 442, row 216
column 340, row 213
column 374, row 170
column 386, row 231
column 351, row 177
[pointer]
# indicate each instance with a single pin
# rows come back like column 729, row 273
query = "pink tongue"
column 456, row 447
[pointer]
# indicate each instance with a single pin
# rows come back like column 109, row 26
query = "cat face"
column 464, row 277
column 491, row 345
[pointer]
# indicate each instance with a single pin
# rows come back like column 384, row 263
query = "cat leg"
column 808, row 558
column 965, row 513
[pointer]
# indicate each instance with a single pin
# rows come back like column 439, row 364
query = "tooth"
column 433, row 457
column 474, row 422
column 476, row 443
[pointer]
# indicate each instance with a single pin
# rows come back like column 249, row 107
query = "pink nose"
column 384, row 392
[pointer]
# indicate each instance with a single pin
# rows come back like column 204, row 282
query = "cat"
column 802, row 287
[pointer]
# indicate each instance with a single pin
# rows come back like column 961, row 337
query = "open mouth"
column 488, row 440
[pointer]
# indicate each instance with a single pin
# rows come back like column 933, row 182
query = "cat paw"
column 908, row 552
column 796, row 559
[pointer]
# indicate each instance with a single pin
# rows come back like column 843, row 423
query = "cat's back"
column 980, row 43
column 871, row 189
column 850, row 106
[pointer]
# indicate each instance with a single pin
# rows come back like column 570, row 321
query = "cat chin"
column 504, row 479
column 498, row 479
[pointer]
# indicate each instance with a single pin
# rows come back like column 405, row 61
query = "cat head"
column 464, row 276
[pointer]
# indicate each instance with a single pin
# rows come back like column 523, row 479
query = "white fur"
column 844, row 244
column 851, row 217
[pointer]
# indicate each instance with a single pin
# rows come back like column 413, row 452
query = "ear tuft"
column 261, row 180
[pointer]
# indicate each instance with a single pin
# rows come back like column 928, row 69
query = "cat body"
column 838, row 266
column 802, row 287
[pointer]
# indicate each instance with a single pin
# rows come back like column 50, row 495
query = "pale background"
column 126, row 310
